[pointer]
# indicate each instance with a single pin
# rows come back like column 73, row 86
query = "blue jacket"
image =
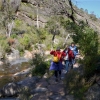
column 74, row 49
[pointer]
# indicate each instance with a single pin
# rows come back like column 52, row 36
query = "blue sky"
column 90, row 5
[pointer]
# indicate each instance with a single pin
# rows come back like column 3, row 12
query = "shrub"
column 25, row 41
column 18, row 23
column 13, row 36
column 4, row 47
column 75, row 85
column 87, row 39
column 41, row 67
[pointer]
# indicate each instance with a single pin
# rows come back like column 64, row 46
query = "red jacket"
column 70, row 54
column 55, row 53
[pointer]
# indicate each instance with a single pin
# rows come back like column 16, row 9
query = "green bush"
column 75, row 84
column 13, row 36
column 41, row 66
column 4, row 46
column 87, row 39
column 18, row 23
column 25, row 41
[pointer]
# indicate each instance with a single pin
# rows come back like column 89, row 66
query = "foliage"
column 41, row 66
column 4, row 47
column 8, row 17
column 13, row 36
column 18, row 23
column 42, row 33
column 25, row 94
column 87, row 39
column 76, row 84
column 25, row 41
column 53, row 27
column 93, row 17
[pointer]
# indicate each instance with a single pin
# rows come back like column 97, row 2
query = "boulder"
column 29, row 82
column 10, row 89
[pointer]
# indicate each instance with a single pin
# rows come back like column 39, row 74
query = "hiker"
column 68, row 59
column 56, row 64
column 74, row 48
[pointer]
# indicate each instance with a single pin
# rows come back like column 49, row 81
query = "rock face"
column 13, row 3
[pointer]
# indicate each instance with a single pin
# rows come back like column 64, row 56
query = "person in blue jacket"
column 74, row 48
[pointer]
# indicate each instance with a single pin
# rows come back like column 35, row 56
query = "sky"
column 90, row 5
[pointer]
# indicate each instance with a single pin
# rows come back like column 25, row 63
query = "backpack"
column 57, row 58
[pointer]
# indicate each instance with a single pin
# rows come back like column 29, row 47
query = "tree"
column 87, row 39
column 9, row 9
column 53, row 28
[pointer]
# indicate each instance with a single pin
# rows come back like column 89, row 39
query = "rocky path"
column 45, row 88
column 49, row 89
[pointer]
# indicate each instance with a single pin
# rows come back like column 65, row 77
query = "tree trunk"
column 9, row 29
column 37, row 18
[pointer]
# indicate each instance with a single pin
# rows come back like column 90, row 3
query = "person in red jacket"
column 57, row 66
column 69, row 58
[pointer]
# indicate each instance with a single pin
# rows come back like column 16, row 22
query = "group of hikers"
column 67, row 56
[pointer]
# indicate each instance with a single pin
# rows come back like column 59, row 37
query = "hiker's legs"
column 56, row 75
column 70, row 65
column 73, row 61
column 60, row 74
column 67, row 65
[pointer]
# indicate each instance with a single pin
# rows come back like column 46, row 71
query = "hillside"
column 27, row 11
column 26, row 23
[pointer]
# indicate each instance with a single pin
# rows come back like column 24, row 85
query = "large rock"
column 10, row 89
column 29, row 82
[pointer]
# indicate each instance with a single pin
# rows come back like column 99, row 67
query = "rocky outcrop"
column 14, row 4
